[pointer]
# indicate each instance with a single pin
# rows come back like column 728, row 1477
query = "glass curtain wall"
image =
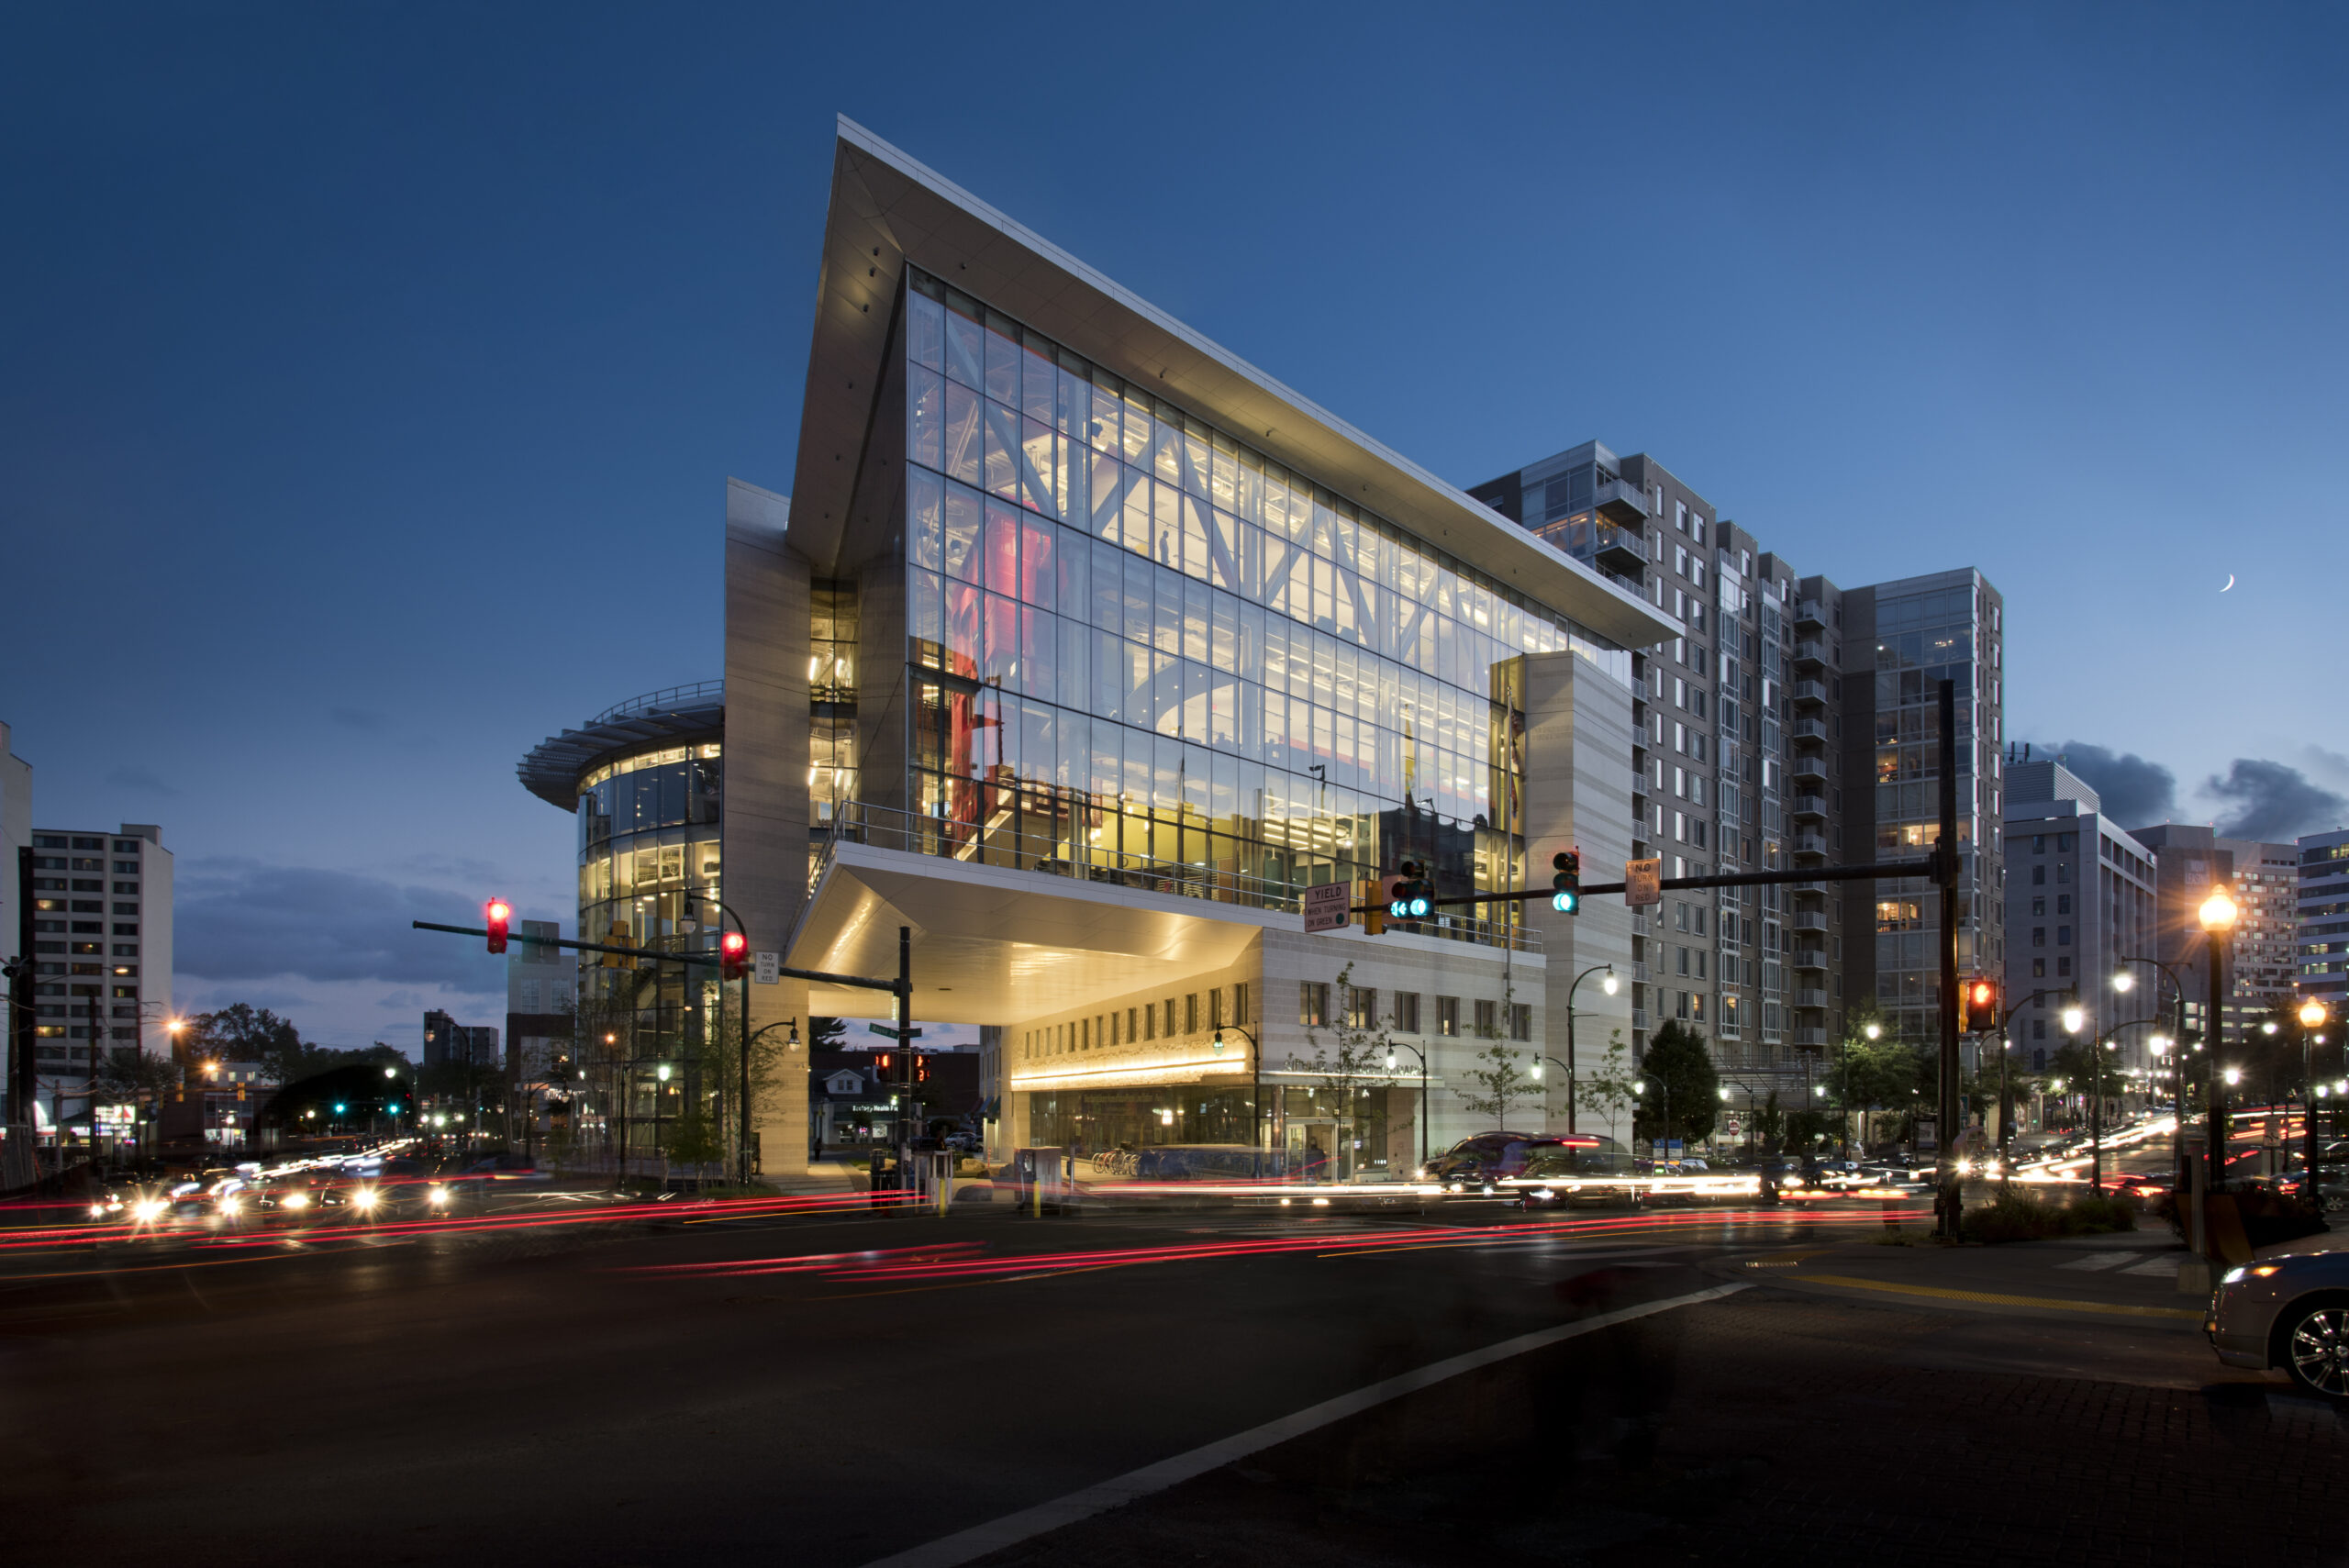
column 1150, row 642
column 648, row 829
column 1923, row 638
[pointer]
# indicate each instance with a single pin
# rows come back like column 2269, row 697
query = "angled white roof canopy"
column 887, row 210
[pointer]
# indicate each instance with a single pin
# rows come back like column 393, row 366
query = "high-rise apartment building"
column 2082, row 897
column 448, row 1042
column 2324, row 920
column 102, row 951
column 1791, row 725
column 2266, row 883
column 542, row 987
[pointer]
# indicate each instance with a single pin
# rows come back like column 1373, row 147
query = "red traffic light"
column 1978, row 1005
column 733, row 956
column 494, row 914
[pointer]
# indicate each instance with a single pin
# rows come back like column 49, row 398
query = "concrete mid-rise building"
column 2083, row 899
column 448, row 1043
column 102, row 952
column 2322, row 920
column 1791, row 725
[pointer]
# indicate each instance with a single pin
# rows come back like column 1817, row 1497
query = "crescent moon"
column 2231, row 582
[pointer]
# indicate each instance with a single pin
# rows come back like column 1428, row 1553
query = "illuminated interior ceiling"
column 993, row 945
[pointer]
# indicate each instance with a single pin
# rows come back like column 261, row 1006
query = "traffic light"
column 1373, row 913
column 494, row 914
column 733, row 956
column 1414, row 897
column 1567, row 886
column 1977, row 1005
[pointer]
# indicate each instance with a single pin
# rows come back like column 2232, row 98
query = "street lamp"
column 1422, row 1056
column 2218, row 916
column 1256, row 1096
column 1609, row 985
column 2312, row 1017
column 1664, row 1090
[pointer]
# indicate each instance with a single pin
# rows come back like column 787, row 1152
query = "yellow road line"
column 2059, row 1304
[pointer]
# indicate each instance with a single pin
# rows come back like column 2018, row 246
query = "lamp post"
column 1663, row 1089
column 791, row 1042
column 1256, row 1097
column 1391, row 1046
column 2313, row 1016
column 2218, row 916
column 1609, row 985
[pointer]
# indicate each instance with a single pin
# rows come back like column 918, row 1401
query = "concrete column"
column 765, row 814
column 1579, row 794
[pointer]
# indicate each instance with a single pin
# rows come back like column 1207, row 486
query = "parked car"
column 2291, row 1311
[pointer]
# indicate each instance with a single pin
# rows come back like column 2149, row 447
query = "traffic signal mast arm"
column 1923, row 865
column 814, row 975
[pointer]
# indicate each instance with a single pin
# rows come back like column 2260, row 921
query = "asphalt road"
column 837, row 1389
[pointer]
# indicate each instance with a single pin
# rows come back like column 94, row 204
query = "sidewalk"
column 2129, row 1276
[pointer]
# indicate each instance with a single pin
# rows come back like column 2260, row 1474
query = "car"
column 2332, row 1193
column 1475, row 1163
column 2290, row 1310
column 1557, row 1173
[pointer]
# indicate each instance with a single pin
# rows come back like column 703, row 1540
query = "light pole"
column 2311, row 1015
column 1256, row 1096
column 1421, row 1056
column 1664, row 1091
column 792, row 1042
column 1609, row 985
column 2218, row 916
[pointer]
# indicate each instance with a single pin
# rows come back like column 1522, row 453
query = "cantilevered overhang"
column 992, row 944
column 887, row 209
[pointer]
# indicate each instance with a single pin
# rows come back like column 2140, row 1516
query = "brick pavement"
column 1770, row 1427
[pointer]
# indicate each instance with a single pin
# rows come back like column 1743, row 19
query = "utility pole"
column 1945, row 868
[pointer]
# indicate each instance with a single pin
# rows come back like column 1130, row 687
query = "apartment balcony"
column 1807, row 729
column 1809, row 768
column 1804, row 806
column 1810, row 998
column 1810, row 1038
column 1809, row 920
column 1810, row 654
column 1808, row 844
column 1623, row 550
column 1807, row 692
column 1810, row 616
column 1806, row 887
column 1638, row 1018
column 1810, row 958
column 1625, row 503
column 1639, row 974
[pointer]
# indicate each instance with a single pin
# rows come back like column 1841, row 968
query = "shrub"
column 2018, row 1216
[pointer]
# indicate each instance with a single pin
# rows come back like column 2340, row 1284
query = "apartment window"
column 1407, row 1012
column 1191, row 1013
column 1313, row 1003
column 1133, row 1025
column 130, row 887
column 1362, row 1007
column 1488, row 1013
column 1240, row 1004
column 2063, row 842
column 2039, row 876
column 126, row 846
column 1215, row 1008
column 2039, row 969
column 1521, row 1020
column 48, row 841
column 2062, row 904
column 2063, row 967
column 126, row 927
column 2063, row 872
column 1150, row 1021
column 126, row 949
column 1447, row 1016
column 2038, row 906
column 2038, row 843
column 1170, row 1016
column 2039, row 936
column 2062, row 936
column 2039, row 1029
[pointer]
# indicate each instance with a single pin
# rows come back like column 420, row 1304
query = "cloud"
column 243, row 920
column 2273, row 803
column 144, row 779
column 2134, row 791
column 357, row 718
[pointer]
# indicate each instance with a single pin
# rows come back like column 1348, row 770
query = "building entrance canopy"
column 993, row 944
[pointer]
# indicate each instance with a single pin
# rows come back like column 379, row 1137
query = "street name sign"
column 893, row 1034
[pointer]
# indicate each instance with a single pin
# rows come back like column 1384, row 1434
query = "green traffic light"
column 1566, row 902
column 338, row 1109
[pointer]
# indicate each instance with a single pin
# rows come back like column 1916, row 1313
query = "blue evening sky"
column 370, row 374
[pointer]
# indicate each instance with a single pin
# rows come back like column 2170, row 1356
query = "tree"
column 1612, row 1087
column 826, row 1033
column 130, row 1077
column 241, row 1032
column 1677, row 1056
column 1344, row 1076
column 1770, row 1122
column 1504, row 1082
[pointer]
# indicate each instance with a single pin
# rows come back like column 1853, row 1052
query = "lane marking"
column 965, row 1546
column 2095, row 1261
column 2056, row 1302
column 2160, row 1267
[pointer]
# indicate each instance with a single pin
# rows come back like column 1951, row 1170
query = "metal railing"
column 1068, row 851
column 700, row 692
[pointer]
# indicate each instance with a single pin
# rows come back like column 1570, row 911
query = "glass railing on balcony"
column 1068, row 854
